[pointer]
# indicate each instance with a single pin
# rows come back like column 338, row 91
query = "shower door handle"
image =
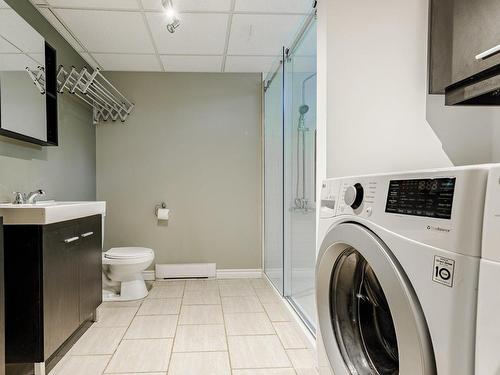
column 315, row 160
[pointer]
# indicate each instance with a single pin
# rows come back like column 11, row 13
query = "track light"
column 173, row 19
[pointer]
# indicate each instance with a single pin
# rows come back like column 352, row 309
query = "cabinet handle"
column 484, row 55
column 72, row 239
column 88, row 234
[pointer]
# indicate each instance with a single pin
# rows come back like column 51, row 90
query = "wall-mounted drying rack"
column 93, row 88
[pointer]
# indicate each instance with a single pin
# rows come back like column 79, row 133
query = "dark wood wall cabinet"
column 464, row 51
column 53, row 285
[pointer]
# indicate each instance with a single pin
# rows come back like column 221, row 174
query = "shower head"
column 303, row 109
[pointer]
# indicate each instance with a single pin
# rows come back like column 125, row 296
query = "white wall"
column 468, row 134
column 376, row 75
column 321, row 101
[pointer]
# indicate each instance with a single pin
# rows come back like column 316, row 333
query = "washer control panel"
column 357, row 197
column 442, row 207
column 431, row 197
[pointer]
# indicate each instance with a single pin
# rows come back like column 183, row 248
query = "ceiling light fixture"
column 170, row 12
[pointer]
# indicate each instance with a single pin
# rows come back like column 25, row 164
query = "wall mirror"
column 28, row 109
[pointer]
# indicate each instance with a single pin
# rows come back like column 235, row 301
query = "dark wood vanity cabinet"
column 90, row 268
column 2, row 304
column 53, row 285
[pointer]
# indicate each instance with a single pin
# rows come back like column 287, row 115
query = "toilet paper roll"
column 163, row 213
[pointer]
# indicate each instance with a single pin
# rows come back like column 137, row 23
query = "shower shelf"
column 93, row 88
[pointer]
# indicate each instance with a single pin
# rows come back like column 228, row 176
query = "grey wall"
column 66, row 172
column 194, row 142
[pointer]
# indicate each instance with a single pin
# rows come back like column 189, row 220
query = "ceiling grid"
column 214, row 35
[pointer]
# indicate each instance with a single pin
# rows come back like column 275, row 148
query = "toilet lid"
column 127, row 252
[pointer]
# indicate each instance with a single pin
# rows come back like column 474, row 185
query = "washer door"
column 369, row 316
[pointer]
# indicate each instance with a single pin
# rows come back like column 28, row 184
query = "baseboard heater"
column 185, row 271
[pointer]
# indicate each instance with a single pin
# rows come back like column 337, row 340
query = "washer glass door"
column 361, row 317
column 370, row 319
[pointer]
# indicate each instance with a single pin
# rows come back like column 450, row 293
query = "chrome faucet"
column 30, row 198
column 33, row 196
column 18, row 198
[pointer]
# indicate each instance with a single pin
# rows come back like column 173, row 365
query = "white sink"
column 49, row 212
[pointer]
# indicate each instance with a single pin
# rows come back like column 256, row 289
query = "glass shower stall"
column 290, row 174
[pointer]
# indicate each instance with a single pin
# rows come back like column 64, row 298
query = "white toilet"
column 122, row 273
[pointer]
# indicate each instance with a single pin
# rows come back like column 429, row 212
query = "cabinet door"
column 60, row 284
column 2, row 304
column 476, row 30
column 90, row 266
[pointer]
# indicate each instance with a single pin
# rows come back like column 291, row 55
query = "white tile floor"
column 194, row 327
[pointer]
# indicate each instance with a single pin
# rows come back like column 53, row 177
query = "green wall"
column 66, row 172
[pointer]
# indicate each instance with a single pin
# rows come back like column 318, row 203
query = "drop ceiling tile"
column 274, row 6
column 262, row 34
column 47, row 13
column 17, row 31
column 191, row 5
column 95, row 4
column 250, row 64
column 121, row 62
column 192, row 63
column 108, row 31
column 6, row 47
column 200, row 34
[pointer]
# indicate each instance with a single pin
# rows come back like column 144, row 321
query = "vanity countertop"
column 42, row 213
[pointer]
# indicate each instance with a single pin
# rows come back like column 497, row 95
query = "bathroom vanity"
column 2, row 304
column 53, row 279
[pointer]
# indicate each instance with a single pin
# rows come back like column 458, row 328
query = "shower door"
column 300, row 176
column 273, row 180
column 290, row 175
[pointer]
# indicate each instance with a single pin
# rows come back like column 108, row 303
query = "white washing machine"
column 488, row 308
column 397, row 272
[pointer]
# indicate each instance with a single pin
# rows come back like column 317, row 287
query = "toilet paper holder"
column 158, row 206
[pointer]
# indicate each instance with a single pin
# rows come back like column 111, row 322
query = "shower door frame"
column 285, row 288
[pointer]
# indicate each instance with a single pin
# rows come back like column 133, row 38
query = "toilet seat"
column 128, row 253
